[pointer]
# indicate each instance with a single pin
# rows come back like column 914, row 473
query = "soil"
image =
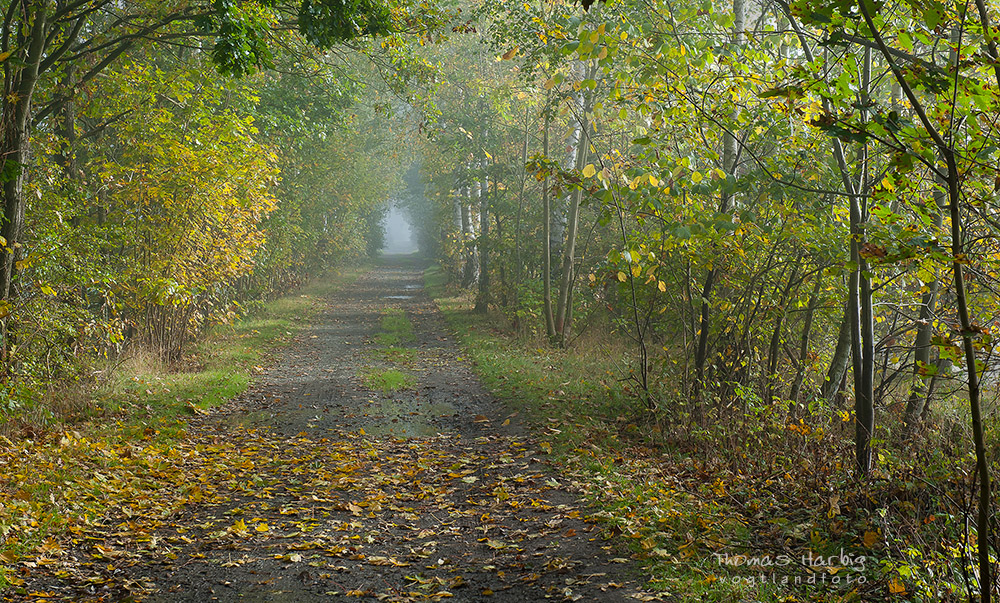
column 312, row 487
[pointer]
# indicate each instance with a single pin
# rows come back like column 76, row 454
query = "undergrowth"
column 751, row 503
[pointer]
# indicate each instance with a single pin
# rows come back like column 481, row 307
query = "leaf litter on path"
column 313, row 508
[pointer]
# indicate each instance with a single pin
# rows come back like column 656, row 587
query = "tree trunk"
column 564, row 313
column 483, row 297
column 774, row 349
column 862, row 327
column 569, row 256
column 560, row 217
column 15, row 145
column 518, row 261
column 841, row 357
column 800, row 371
column 15, row 150
column 730, row 159
column 550, row 328
column 925, row 323
column 470, row 268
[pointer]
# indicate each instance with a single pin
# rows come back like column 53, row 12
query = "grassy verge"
column 59, row 483
column 760, row 516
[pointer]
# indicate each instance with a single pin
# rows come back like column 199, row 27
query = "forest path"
column 312, row 487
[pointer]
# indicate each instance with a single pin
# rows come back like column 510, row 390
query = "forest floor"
column 367, row 461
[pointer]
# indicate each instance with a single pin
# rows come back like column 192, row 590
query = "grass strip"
column 387, row 380
column 394, row 329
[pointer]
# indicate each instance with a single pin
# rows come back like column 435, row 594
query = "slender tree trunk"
column 560, row 217
column 550, row 325
column 925, row 323
column 862, row 329
column 774, row 349
column 483, row 297
column 922, row 348
column 800, row 371
column 701, row 353
column 569, row 257
column 564, row 312
column 518, row 261
column 857, row 317
column 984, row 532
column 470, row 270
column 958, row 249
column 841, row 357
column 730, row 158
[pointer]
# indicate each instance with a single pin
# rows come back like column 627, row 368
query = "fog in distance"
column 399, row 239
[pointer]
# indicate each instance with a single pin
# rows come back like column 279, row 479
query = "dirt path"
column 311, row 487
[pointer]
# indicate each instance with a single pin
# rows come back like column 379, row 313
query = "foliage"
column 752, row 193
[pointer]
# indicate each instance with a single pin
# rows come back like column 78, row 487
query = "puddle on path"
column 412, row 287
column 397, row 297
column 406, row 419
column 248, row 419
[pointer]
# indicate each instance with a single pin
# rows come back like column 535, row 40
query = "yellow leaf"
column 361, row 431
column 661, row 286
column 896, row 587
column 262, row 527
column 636, row 270
column 653, row 180
column 549, row 83
column 5, row 55
column 622, row 276
column 696, row 177
column 589, row 171
column 834, row 506
column 871, row 537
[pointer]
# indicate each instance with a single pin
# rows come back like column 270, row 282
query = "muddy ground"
column 312, row 487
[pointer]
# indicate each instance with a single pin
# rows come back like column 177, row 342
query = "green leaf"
column 934, row 15
column 905, row 41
